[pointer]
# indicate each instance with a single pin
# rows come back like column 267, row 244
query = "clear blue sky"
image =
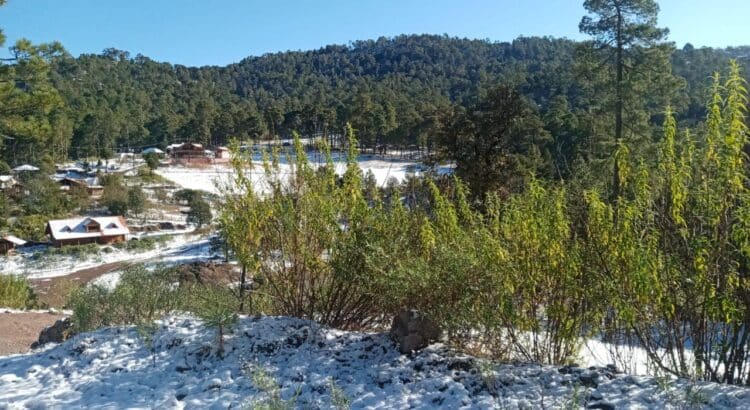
column 218, row 32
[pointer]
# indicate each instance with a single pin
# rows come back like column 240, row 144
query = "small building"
column 8, row 184
column 190, row 153
column 80, row 231
column 187, row 150
column 90, row 184
column 25, row 168
column 9, row 243
column 222, row 153
column 153, row 150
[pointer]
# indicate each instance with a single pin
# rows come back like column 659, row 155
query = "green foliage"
column 137, row 201
column 293, row 227
column 44, row 197
column 494, row 142
column 115, row 199
column 200, row 212
column 34, row 122
column 218, row 309
column 30, row 227
column 152, row 160
column 271, row 392
column 142, row 244
column 187, row 195
column 140, row 297
column 675, row 247
column 16, row 293
column 78, row 251
column 339, row 401
column 119, row 199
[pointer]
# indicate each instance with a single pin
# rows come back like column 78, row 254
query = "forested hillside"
column 393, row 91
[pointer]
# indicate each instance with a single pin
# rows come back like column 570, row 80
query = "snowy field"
column 178, row 249
column 315, row 367
column 210, row 178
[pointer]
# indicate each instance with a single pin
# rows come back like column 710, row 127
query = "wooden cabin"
column 9, row 243
column 80, row 231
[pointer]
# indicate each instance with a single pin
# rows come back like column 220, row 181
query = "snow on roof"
column 75, row 228
column 14, row 240
column 152, row 151
column 25, row 167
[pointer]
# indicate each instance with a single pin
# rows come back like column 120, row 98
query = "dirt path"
column 19, row 330
column 53, row 291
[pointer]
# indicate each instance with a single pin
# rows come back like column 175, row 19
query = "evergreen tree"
column 627, row 41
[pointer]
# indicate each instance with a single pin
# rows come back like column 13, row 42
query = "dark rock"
column 464, row 365
column 59, row 332
column 412, row 331
column 602, row 405
column 589, row 379
column 570, row 369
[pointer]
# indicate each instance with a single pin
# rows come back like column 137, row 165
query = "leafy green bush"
column 15, row 292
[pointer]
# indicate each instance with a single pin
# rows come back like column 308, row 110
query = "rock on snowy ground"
column 315, row 367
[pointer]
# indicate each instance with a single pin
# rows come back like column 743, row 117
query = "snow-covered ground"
column 210, row 178
column 178, row 249
column 314, row 367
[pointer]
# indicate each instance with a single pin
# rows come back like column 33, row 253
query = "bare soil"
column 52, row 292
column 19, row 330
column 208, row 272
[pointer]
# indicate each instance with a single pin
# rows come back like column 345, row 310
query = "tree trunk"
column 619, row 63
column 243, row 279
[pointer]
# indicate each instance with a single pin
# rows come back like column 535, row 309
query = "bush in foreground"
column 16, row 293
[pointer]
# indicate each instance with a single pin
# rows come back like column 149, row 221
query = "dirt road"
column 19, row 330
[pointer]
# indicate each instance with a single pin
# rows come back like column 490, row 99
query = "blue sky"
column 218, row 32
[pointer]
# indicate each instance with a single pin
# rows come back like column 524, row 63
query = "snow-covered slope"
column 316, row 367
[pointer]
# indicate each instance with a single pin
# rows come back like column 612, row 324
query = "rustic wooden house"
column 79, row 231
column 89, row 184
column 9, row 243
column 190, row 153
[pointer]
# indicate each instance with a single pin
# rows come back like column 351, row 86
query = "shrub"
column 16, row 293
column 140, row 297
column 137, row 201
column 143, row 244
column 186, row 195
column 152, row 160
column 217, row 307
column 30, row 227
column 115, row 197
column 200, row 212
column 78, row 251
column 286, row 235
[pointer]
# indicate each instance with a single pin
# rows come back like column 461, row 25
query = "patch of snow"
column 108, row 280
column 210, row 178
column 180, row 368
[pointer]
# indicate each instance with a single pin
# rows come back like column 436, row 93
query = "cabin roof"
column 75, row 228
